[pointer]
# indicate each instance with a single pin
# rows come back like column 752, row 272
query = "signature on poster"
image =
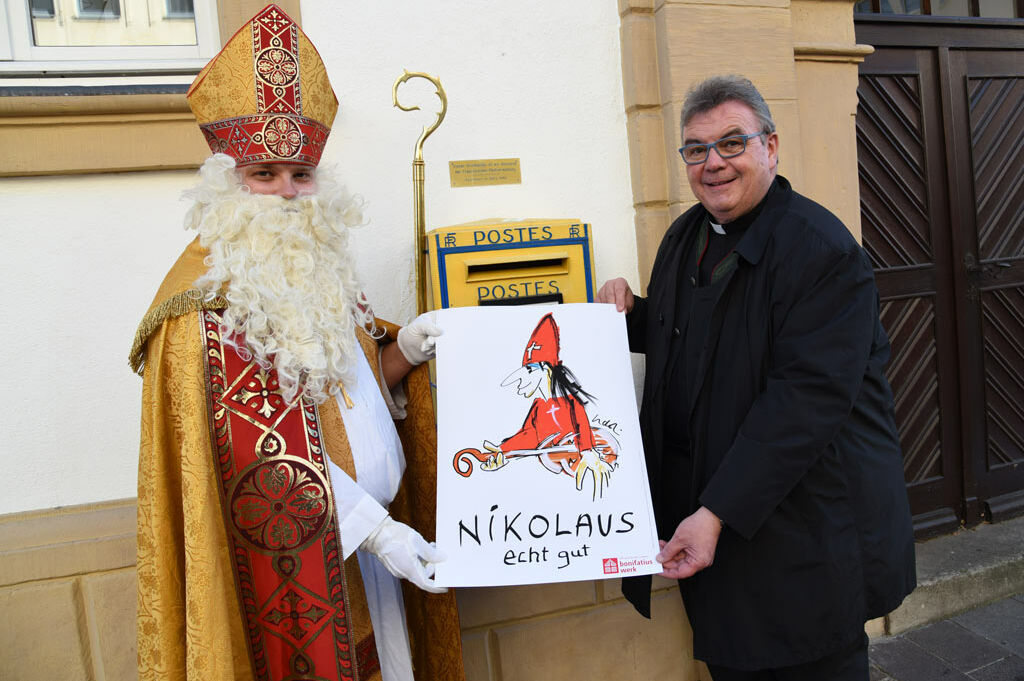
column 557, row 431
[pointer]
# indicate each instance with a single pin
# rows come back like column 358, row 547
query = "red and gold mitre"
column 265, row 98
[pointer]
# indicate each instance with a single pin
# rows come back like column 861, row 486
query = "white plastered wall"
column 82, row 257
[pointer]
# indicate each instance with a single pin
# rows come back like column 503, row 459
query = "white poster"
column 541, row 474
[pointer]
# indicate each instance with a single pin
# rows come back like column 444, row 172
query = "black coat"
column 791, row 435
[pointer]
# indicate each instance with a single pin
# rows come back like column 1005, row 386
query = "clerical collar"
column 741, row 223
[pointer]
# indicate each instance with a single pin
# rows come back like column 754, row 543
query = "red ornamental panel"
column 275, row 41
column 268, row 138
column 280, row 519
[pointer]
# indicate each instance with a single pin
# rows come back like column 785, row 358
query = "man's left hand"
column 692, row 546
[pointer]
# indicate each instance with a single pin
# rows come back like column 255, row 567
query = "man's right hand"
column 616, row 291
column 692, row 546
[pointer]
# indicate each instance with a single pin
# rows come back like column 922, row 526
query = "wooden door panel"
column 940, row 135
column 903, row 212
column 994, row 93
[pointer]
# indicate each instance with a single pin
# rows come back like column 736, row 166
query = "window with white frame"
column 42, row 8
column 99, row 9
column 44, row 37
column 180, row 8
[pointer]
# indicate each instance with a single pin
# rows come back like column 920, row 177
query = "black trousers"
column 846, row 665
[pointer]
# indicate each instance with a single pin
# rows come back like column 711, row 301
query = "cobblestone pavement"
column 984, row 644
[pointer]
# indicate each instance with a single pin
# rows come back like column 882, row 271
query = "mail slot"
column 518, row 262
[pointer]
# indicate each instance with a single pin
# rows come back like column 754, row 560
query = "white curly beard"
column 285, row 268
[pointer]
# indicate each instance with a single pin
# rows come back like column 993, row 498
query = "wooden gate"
column 940, row 135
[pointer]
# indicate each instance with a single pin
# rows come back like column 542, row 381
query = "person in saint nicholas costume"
column 274, row 518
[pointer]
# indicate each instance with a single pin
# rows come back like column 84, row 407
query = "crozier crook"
column 419, row 213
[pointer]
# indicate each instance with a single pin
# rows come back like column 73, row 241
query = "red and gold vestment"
column 200, row 617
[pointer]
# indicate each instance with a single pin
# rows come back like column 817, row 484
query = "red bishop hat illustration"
column 543, row 343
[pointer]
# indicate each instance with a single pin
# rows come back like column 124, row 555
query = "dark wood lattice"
column 1003, row 333
column 913, row 374
column 997, row 151
column 890, row 158
column 996, row 110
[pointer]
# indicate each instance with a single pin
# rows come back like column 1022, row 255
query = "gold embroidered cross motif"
column 260, row 386
column 294, row 608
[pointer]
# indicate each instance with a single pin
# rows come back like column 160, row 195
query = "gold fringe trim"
column 175, row 306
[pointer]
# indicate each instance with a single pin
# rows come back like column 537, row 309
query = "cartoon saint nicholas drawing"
column 557, row 430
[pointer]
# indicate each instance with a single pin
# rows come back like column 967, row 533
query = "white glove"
column 416, row 339
column 405, row 553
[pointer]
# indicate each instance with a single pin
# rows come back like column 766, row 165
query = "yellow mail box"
column 492, row 262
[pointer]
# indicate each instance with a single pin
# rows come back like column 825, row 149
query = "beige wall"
column 67, row 594
column 826, row 58
column 577, row 630
column 801, row 55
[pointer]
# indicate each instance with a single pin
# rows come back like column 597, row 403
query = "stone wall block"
column 827, row 57
column 475, row 656
column 651, row 224
column 64, row 542
column 639, row 61
column 40, row 635
column 110, row 607
column 635, row 6
column 67, row 558
column 690, row 47
column 480, row 606
column 746, row 4
column 647, row 151
column 675, row 176
column 828, row 107
column 613, row 587
column 792, row 165
column 608, row 642
column 818, row 20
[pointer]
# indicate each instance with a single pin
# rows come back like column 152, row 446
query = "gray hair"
column 717, row 90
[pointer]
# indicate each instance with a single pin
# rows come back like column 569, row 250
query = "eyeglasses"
column 727, row 147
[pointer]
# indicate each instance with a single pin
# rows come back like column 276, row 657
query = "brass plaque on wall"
column 485, row 171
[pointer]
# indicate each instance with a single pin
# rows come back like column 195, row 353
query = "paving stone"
column 960, row 647
column 1001, row 622
column 876, row 674
column 1008, row 669
column 906, row 661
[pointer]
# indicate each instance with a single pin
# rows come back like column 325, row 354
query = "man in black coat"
column 773, row 457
